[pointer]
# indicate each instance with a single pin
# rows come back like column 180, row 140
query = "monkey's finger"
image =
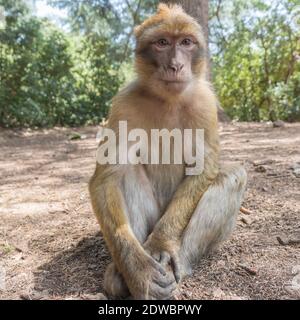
column 156, row 265
column 165, row 258
column 176, row 267
column 165, row 281
column 156, row 256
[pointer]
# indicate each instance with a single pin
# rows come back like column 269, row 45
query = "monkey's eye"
column 162, row 43
column 186, row 42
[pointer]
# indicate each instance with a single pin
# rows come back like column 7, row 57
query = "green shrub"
column 49, row 78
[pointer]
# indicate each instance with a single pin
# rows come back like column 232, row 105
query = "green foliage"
column 112, row 19
column 256, row 59
column 48, row 78
column 97, row 79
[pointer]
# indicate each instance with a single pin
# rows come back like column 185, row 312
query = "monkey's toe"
column 114, row 284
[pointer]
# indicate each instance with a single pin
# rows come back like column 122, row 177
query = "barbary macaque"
column 156, row 220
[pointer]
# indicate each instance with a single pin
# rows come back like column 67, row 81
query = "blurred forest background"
column 64, row 70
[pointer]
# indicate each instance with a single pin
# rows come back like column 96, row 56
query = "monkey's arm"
column 109, row 207
column 167, row 233
column 143, row 274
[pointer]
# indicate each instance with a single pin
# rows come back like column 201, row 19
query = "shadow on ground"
column 75, row 271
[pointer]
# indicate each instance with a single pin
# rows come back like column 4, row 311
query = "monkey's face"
column 172, row 58
column 170, row 51
column 171, row 61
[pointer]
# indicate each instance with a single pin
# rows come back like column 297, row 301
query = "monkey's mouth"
column 170, row 78
column 175, row 85
column 174, row 81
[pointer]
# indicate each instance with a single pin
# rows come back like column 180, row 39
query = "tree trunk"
column 198, row 9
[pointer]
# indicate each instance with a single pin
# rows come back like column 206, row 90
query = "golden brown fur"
column 144, row 210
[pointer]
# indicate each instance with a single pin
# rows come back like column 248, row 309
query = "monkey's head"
column 170, row 50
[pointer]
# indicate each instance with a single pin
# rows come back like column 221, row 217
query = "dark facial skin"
column 173, row 57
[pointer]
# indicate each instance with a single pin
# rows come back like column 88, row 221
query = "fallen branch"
column 286, row 242
column 245, row 211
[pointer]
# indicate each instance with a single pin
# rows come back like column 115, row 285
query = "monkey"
column 157, row 221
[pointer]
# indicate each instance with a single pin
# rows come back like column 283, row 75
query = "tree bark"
column 198, row 9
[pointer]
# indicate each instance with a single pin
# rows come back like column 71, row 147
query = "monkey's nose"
column 176, row 67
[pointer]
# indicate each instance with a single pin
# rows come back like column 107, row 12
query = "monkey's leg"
column 143, row 213
column 215, row 216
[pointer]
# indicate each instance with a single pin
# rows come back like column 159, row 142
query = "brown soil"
column 50, row 247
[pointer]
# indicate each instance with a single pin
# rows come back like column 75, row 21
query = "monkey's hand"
column 166, row 252
column 147, row 278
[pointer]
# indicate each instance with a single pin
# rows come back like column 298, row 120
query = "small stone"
column 25, row 296
column 188, row 294
column 296, row 169
column 74, row 136
column 246, row 220
column 278, row 124
column 262, row 162
column 93, row 266
column 282, row 240
column 260, row 169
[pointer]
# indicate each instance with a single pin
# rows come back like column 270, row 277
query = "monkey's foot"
column 114, row 284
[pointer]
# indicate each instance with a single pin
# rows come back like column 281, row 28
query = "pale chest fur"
column 142, row 112
column 165, row 178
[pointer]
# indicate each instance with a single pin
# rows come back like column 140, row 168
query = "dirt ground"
column 51, row 247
